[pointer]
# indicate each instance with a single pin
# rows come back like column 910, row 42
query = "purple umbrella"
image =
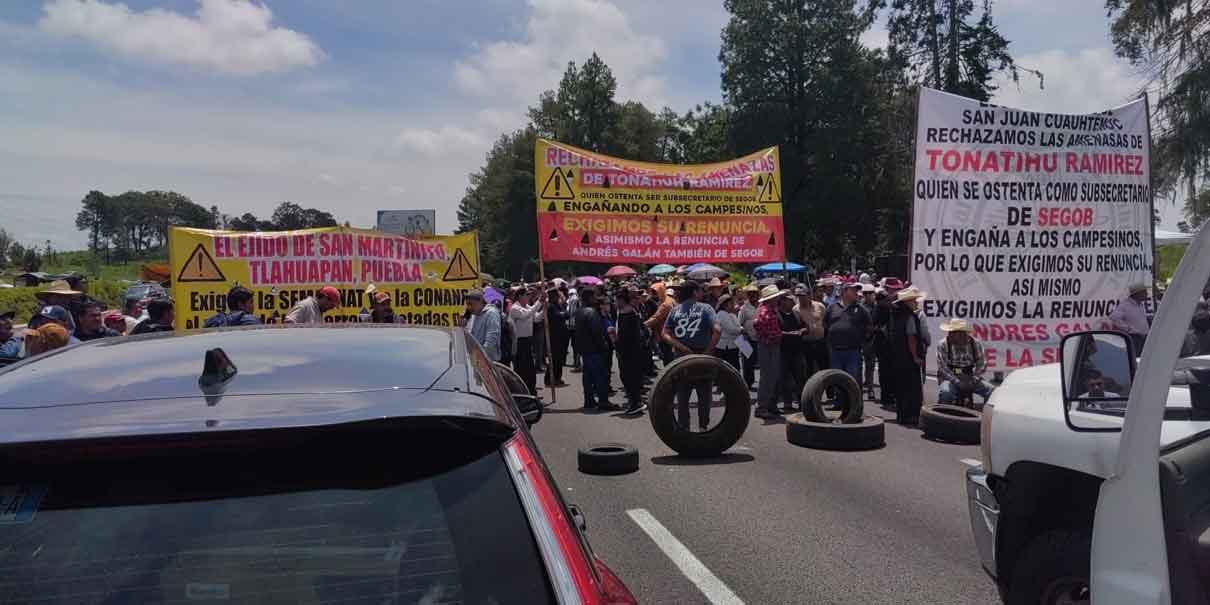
column 491, row 295
column 590, row 280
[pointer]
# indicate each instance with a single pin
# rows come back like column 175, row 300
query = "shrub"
column 25, row 302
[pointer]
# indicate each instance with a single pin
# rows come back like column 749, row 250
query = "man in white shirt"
column 522, row 315
column 1130, row 316
column 747, row 315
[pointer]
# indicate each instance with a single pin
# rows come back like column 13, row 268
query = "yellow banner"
column 426, row 277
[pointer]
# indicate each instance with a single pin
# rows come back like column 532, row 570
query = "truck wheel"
column 515, row 385
column 868, row 434
column 848, row 396
column 1053, row 568
column 608, row 459
column 951, row 423
column 662, row 411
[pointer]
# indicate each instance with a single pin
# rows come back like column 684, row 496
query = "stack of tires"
column 952, row 423
column 850, row 430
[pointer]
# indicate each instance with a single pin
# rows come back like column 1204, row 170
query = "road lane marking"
column 716, row 592
column 971, row 462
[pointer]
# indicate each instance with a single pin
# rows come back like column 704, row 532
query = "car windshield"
column 432, row 521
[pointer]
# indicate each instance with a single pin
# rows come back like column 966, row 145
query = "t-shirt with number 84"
column 692, row 324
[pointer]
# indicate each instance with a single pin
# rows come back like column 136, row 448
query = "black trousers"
column 886, row 379
column 750, row 368
column 909, row 394
column 558, row 356
column 523, row 363
column 793, row 377
column 730, row 356
column 632, row 367
column 818, row 358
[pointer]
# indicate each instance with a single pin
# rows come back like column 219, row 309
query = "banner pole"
column 550, row 371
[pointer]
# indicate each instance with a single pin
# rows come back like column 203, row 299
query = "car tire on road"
column 608, row 459
column 951, row 423
column 515, row 385
column 1053, row 568
column 662, row 409
column 853, row 405
column 868, row 434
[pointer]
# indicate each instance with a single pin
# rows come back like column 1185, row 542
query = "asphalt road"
column 770, row 522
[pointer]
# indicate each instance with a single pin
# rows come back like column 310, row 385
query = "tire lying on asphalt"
column 847, row 389
column 868, row 434
column 608, row 459
column 662, row 409
column 515, row 385
column 951, row 423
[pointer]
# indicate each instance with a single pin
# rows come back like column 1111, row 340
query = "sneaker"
column 762, row 413
column 635, row 409
column 609, row 407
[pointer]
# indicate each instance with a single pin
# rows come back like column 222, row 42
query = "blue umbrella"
column 779, row 267
column 661, row 270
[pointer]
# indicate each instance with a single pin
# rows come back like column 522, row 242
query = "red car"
column 281, row 465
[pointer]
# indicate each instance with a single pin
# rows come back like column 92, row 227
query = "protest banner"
column 1029, row 225
column 597, row 208
column 426, row 277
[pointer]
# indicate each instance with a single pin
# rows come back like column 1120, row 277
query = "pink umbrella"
column 619, row 271
column 589, row 280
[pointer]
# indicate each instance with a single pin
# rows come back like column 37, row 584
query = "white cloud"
column 559, row 31
column 233, row 37
column 1083, row 81
column 439, row 141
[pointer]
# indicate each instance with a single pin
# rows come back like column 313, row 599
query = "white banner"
column 1029, row 225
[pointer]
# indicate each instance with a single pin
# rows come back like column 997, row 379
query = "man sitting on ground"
column 957, row 353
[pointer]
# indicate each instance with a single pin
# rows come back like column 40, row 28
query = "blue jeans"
column 595, row 379
column 948, row 391
column 848, row 360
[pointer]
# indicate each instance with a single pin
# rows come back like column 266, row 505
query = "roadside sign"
column 412, row 223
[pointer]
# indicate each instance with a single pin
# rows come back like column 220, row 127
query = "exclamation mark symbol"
column 558, row 183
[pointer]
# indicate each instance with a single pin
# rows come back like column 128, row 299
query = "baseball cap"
column 330, row 293
column 50, row 313
column 381, row 297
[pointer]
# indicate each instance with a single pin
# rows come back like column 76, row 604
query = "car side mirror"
column 531, row 408
column 1098, row 370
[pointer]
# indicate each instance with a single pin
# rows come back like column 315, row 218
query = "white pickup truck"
column 1095, row 478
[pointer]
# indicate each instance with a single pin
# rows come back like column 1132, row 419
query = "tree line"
column 135, row 224
column 795, row 74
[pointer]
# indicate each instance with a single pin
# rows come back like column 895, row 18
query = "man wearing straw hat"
column 906, row 355
column 960, row 351
column 1130, row 316
column 768, row 332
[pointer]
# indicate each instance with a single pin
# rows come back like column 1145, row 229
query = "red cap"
column 330, row 293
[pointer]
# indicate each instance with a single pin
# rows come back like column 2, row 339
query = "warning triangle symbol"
column 554, row 234
column 200, row 267
column 551, row 207
column 768, row 191
column 772, row 239
column 460, row 268
column 558, row 186
column 584, row 240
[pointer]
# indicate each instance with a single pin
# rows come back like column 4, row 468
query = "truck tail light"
column 576, row 575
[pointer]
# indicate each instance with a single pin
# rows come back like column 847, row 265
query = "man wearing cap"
column 238, row 313
column 57, row 315
column 160, row 316
column 592, row 342
column 381, row 311
column 747, row 315
column 483, row 323
column 692, row 328
column 1130, row 316
column 311, row 309
column 10, row 344
column 60, row 293
column 522, row 316
column 814, row 341
column 958, row 356
column 768, row 345
column 847, row 324
column 91, row 326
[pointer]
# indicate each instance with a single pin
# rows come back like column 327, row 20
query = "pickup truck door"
column 1129, row 554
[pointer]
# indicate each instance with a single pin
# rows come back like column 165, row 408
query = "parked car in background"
column 282, row 465
column 145, row 291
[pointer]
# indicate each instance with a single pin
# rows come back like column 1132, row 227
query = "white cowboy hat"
column 771, row 292
column 909, row 293
column 868, row 288
column 955, row 325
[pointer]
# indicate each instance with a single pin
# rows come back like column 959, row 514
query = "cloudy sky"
column 357, row 106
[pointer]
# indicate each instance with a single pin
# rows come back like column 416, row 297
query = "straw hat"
column 60, row 286
column 715, row 283
column 909, row 294
column 955, row 325
column 751, row 288
column 771, row 292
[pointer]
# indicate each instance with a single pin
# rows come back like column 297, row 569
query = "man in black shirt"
column 793, row 363
column 593, row 347
column 847, row 324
